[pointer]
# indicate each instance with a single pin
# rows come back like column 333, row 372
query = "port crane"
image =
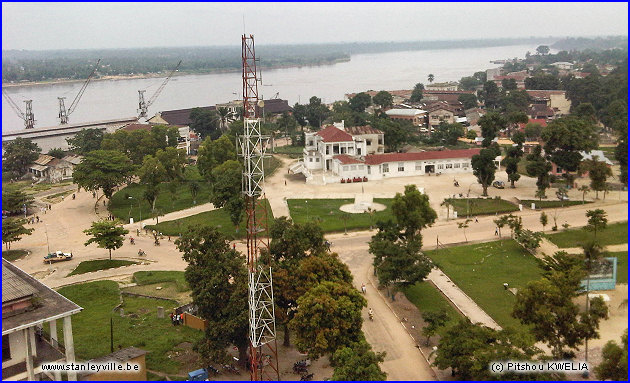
column 64, row 113
column 144, row 106
column 28, row 117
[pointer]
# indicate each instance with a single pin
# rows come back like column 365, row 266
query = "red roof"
column 333, row 134
column 376, row 159
column 346, row 159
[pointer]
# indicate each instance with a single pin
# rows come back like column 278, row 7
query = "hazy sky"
column 129, row 25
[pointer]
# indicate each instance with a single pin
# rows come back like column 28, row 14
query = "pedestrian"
column 37, row 217
column 74, row 196
column 476, row 220
column 137, row 232
column 363, row 289
column 93, row 194
column 169, row 238
column 63, row 197
column 234, row 246
column 496, row 231
column 285, row 182
column 103, row 202
column 49, row 207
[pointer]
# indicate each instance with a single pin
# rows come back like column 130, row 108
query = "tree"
column 225, row 115
column 108, row 235
column 471, row 134
column 396, row 134
column 85, row 141
column 14, row 200
column 360, row 102
column 13, row 229
column 484, row 167
column 300, row 113
column 530, row 240
column 464, row 226
column 225, row 190
column 217, row 276
column 490, row 94
column 542, row 81
column 18, row 155
column 539, row 167
column 431, row 77
column 584, row 189
column 564, row 139
column 562, row 193
column 533, row 130
column 152, row 174
column 434, row 320
column 103, row 169
column 586, row 111
column 416, row 94
column 501, row 222
column 383, row 99
column 598, row 172
column 413, row 211
column 213, row 153
column 345, row 217
column 542, row 50
column 56, row 152
column 509, row 84
column 513, row 158
column 547, row 306
column 328, row 317
column 544, row 220
column 468, row 100
column 316, row 112
column 490, row 125
column 357, row 362
column 597, row 221
column 449, row 133
column 614, row 365
column 193, row 186
column 173, row 160
column 205, row 122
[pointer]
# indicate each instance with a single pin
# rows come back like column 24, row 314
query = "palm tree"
column 345, row 217
column 464, row 225
column 584, row 189
column 446, row 203
column 431, row 77
column 225, row 116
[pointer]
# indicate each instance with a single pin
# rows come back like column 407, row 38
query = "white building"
column 322, row 146
column 416, row 116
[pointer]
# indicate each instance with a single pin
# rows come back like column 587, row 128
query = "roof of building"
column 347, row 160
column 596, row 153
column 136, row 126
column 50, row 303
column 440, row 105
column 73, row 159
column 562, row 63
column 333, row 134
column 366, row 129
column 120, row 356
column 376, row 159
column 405, row 112
column 544, row 94
column 181, row 116
column 43, row 159
column 277, row 105
column 540, row 110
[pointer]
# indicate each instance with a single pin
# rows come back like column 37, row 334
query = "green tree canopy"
column 484, row 168
column 56, row 152
column 565, row 137
column 103, row 169
column 413, row 211
column 213, row 153
column 448, row 133
column 357, row 362
column 598, row 172
column 85, row 141
column 468, row 100
column 19, row 154
column 491, row 124
column 217, row 276
column 360, row 102
column 14, row 200
column 206, row 123
column 225, row 190
column 108, row 235
column 416, row 94
column 614, row 365
column 383, row 99
column 13, row 229
column 539, row 167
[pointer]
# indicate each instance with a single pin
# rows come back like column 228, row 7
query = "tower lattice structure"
column 252, row 147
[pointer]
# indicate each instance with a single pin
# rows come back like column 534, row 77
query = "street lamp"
column 129, row 214
column 306, row 202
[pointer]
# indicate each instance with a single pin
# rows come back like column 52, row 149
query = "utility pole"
column 252, row 147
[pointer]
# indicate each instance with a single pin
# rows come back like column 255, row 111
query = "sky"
column 39, row 26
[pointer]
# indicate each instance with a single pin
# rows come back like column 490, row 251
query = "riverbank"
column 163, row 74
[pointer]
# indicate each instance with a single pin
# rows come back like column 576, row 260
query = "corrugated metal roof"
column 13, row 287
column 358, row 130
column 40, row 168
column 404, row 112
column 43, row 159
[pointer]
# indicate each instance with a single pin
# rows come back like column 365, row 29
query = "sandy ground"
column 62, row 228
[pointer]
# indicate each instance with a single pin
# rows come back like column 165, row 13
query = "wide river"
column 112, row 99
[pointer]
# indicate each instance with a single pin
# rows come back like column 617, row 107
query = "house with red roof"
column 321, row 147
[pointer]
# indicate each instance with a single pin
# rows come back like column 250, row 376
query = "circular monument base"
column 357, row 208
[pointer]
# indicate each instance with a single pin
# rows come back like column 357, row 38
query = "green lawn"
column 622, row 265
column 427, row 298
column 140, row 326
column 123, row 207
column 548, row 204
column 614, row 234
column 481, row 269
column 481, row 206
column 327, row 210
column 99, row 264
column 151, row 277
column 291, row 151
column 218, row 218
column 12, row 255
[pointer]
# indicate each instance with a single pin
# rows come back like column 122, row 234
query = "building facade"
column 416, row 116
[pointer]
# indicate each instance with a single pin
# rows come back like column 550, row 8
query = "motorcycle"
column 371, row 315
column 307, row 377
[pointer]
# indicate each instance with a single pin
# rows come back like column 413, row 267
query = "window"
column 360, row 167
column 464, row 165
column 456, row 165
column 441, row 166
column 310, row 143
column 369, row 168
column 380, row 140
column 449, row 166
column 368, row 142
column 345, row 168
column 418, row 165
column 310, row 159
column 401, row 166
column 6, row 348
column 385, row 168
column 327, row 149
column 353, row 167
column 317, row 159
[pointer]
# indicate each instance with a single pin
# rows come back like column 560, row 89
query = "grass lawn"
column 218, row 218
column 12, row 255
column 123, row 207
column 622, row 265
column 289, row 150
column 481, row 269
column 480, row 206
column 427, row 298
column 151, row 277
column 29, row 187
column 327, row 212
column 614, row 234
column 547, row 204
column 140, row 326
column 99, row 264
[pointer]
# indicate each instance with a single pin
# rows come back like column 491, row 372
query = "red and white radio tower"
column 252, row 147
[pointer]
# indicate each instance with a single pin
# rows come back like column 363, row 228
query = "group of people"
column 32, row 220
column 177, row 319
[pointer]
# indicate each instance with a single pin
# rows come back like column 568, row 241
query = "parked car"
column 499, row 184
column 57, row 256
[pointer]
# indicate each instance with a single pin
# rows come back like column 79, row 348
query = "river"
column 110, row 99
